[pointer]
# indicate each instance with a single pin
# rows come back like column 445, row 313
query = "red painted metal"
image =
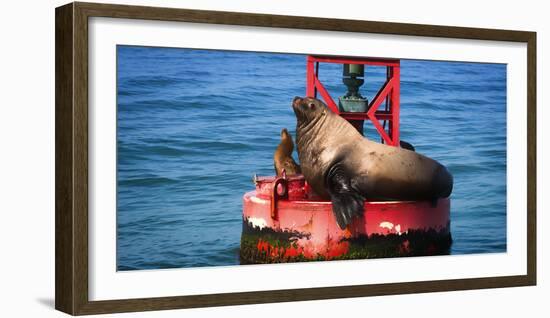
column 389, row 92
column 311, row 216
column 355, row 60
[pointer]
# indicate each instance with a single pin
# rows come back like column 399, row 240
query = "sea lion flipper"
column 347, row 203
column 406, row 145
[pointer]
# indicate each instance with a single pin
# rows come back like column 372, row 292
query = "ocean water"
column 194, row 126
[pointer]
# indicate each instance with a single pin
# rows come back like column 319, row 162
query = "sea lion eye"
column 311, row 106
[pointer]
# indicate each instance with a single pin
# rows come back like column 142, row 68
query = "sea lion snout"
column 296, row 101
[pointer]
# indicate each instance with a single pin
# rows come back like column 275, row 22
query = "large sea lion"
column 343, row 166
column 282, row 158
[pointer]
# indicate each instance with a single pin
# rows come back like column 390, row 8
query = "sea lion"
column 343, row 166
column 282, row 158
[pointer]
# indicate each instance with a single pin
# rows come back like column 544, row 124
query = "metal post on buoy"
column 353, row 101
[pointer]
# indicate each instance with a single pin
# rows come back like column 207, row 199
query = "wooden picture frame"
column 71, row 124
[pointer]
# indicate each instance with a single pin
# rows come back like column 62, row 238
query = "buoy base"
column 302, row 227
column 264, row 246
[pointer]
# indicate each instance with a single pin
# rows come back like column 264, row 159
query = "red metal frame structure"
column 388, row 93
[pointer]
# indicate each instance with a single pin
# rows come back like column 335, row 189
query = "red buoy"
column 283, row 220
column 302, row 227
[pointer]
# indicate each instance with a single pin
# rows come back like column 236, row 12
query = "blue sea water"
column 193, row 126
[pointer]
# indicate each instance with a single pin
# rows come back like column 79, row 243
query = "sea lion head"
column 286, row 142
column 284, row 134
column 308, row 109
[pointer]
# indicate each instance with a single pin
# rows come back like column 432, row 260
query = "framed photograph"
column 210, row 158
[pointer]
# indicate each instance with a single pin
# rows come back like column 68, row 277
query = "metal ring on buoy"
column 278, row 193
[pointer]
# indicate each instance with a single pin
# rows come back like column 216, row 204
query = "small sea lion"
column 282, row 158
column 343, row 166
